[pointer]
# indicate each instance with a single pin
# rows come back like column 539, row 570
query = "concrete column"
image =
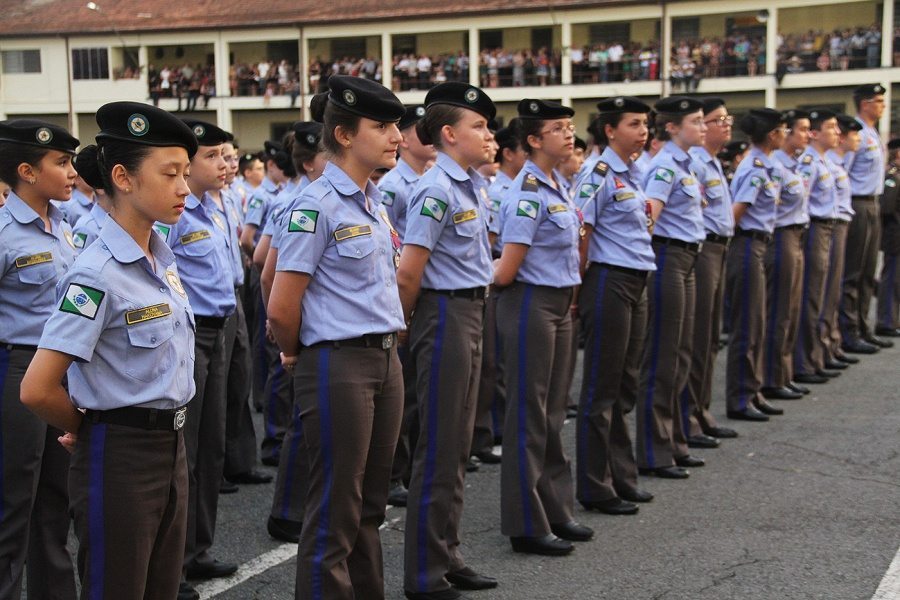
column 224, row 117
column 887, row 36
column 220, row 52
column 771, row 55
column 665, row 51
column 303, row 73
column 474, row 51
column 387, row 61
column 566, row 62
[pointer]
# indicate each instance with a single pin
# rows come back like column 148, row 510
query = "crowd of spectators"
column 498, row 67
column 265, row 78
column 838, row 50
column 188, row 84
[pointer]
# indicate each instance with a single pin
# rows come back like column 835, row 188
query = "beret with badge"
column 543, row 109
column 411, row 116
column 143, row 124
column 506, row 137
column 456, row 93
column 33, row 132
column 711, row 103
column 272, row 148
column 792, row 115
column 760, row 121
column 88, row 167
column 869, row 90
column 817, row 116
column 848, row 123
column 307, row 134
column 678, row 105
column 623, row 104
column 207, row 134
column 732, row 149
column 364, row 98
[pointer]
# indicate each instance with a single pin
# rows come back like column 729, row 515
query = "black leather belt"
column 869, row 198
column 626, row 270
column 794, row 227
column 824, row 221
column 382, row 341
column 715, row 238
column 753, row 234
column 210, row 322
column 477, row 293
column 25, row 347
column 153, row 419
column 666, row 241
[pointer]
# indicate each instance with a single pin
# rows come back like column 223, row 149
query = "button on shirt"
column 792, row 207
column 346, row 248
column 544, row 219
column 32, row 260
column 818, row 172
column 866, row 166
column 754, row 184
column 200, row 243
column 447, row 217
column 718, row 218
column 88, row 228
column 616, row 208
column 843, row 186
column 129, row 327
column 396, row 187
column 670, row 179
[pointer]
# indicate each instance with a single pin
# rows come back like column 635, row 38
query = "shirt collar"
column 98, row 213
column 702, row 154
column 406, row 171
column 192, row 201
column 676, row 152
column 125, row 250
column 614, row 161
column 755, row 153
column 25, row 215
column 786, row 159
column 346, row 186
column 451, row 167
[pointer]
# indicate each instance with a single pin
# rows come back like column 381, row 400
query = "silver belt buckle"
column 387, row 341
column 179, row 418
column 699, row 247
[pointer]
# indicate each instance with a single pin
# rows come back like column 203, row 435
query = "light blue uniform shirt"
column 277, row 223
column 670, row 179
column 866, row 166
column 544, row 219
column 754, row 184
column 130, row 328
column 201, row 244
column 232, row 225
column 88, row 228
column 819, row 175
column 792, row 207
column 77, row 207
column 281, row 201
column 497, row 192
column 642, row 165
column 31, row 262
column 259, row 205
column 396, row 187
column 616, row 207
column 843, row 186
column 447, row 217
column 347, row 248
column 718, row 218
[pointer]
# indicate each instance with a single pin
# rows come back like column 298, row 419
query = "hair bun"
column 317, row 107
column 747, row 124
column 422, row 131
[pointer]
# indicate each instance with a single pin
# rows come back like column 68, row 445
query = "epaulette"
column 601, row 168
column 807, row 159
column 758, row 163
column 530, row 183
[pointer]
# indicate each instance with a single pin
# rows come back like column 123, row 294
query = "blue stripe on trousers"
column 296, row 438
column 522, row 430
column 4, row 367
column 431, row 441
column 773, row 312
column 744, row 334
column 273, row 400
column 804, row 297
column 594, row 375
column 654, row 354
column 262, row 369
column 886, row 317
column 328, row 468
column 96, row 534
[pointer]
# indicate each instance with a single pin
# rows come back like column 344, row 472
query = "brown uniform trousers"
column 445, row 340
column 292, row 480
column 240, row 437
column 535, row 327
column 830, row 337
column 667, row 356
column 889, row 281
column 491, row 388
column 129, row 490
column 409, row 428
column 696, row 398
column 817, row 257
column 745, row 283
column 34, row 516
column 858, row 282
column 277, row 401
column 613, row 308
column 784, row 293
column 255, row 313
column 351, row 405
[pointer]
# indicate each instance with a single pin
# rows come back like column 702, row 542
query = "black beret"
column 711, row 103
column 678, row 105
column 543, row 109
column 364, row 98
column 37, row 133
column 760, row 120
column 207, row 134
column 506, row 138
column 85, row 163
column 461, row 94
column 732, row 149
column 272, row 148
column 793, row 114
column 411, row 116
column 580, row 143
column 848, row 123
column 894, row 144
column 230, row 138
column 143, row 124
column 623, row 104
column 869, row 90
column 817, row 115
column 493, row 125
column 307, row 134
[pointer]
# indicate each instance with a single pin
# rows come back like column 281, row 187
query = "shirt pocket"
column 358, row 248
column 37, row 274
column 468, row 229
column 150, row 351
column 199, row 248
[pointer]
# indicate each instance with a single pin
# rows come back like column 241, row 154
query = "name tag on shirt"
column 148, row 313
column 351, row 232
column 194, row 236
column 713, row 183
column 34, row 259
column 555, row 208
column 623, row 196
column 462, row 217
column 687, row 181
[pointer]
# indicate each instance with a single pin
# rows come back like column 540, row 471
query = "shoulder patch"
column 807, row 159
column 303, row 221
column 255, row 202
column 162, row 230
column 664, row 174
column 82, row 300
column 528, row 208
column 756, row 181
column 434, row 208
column 601, row 168
column 758, row 163
column 587, row 190
column 530, row 183
column 79, row 239
column 387, row 197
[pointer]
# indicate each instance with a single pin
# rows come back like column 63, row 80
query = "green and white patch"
column 756, row 181
column 303, row 221
column 434, row 208
column 80, row 239
column 528, row 208
column 890, row 182
column 162, row 230
column 664, row 174
column 587, row 190
column 82, row 300
column 387, row 198
column 255, row 203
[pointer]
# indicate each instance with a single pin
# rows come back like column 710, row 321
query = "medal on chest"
column 395, row 238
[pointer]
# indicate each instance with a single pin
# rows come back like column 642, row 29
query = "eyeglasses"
column 560, row 130
column 783, row 130
column 726, row 121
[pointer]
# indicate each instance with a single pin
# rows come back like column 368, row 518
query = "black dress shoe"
column 877, row 341
column 270, row 461
column 721, row 432
column 672, row 472
column 572, row 531
column 810, row 378
column 635, row 495
column 859, row 347
column 702, row 441
column 187, row 592
column 571, row 413
column 226, row 487
column 549, row 545
column 798, row 388
column 488, row 457
column 689, row 461
column 398, row 495
column 251, row 477
column 748, row 414
column 836, row 365
column 827, row 373
column 781, row 393
column 766, row 408
column 887, row 331
column 850, row 360
column 448, row 594
column 284, row 529
column 473, row 465
column 467, row 579
column 210, row 570
column 611, row 506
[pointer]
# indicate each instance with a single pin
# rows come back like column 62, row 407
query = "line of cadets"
column 645, row 250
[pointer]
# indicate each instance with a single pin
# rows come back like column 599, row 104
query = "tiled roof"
column 72, row 17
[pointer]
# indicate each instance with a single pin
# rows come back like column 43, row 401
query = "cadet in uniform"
column 754, row 191
column 80, row 204
column 123, row 331
column 537, row 274
column 889, row 281
column 612, row 306
column 337, row 259
column 444, row 272
column 36, row 249
column 88, row 228
column 674, row 197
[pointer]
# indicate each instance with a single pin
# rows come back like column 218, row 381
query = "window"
column 90, row 63
column 609, row 32
column 490, row 38
column 21, row 61
column 685, row 29
column 350, row 47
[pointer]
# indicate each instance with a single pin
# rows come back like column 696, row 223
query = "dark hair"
column 12, row 155
column 246, row 160
column 527, row 127
column 436, row 116
column 598, row 127
column 284, row 159
column 301, row 153
column 115, row 152
column 512, row 146
column 661, row 120
column 754, row 128
column 332, row 117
